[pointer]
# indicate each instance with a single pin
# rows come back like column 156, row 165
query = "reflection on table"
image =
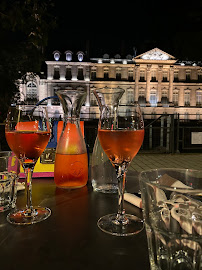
column 70, row 238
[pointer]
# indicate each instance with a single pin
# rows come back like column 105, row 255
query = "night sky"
column 103, row 27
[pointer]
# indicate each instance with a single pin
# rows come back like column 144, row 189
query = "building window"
column 93, row 73
column 106, row 73
column 175, row 98
column 80, row 73
column 68, row 55
column 176, row 79
column 200, row 77
column 164, row 98
column 187, row 98
column 165, row 76
column 141, row 98
column 130, row 96
column 153, row 76
column 93, row 101
column 142, row 76
column 31, row 94
column 130, row 75
column 153, row 98
column 56, row 75
column 106, row 56
column 188, row 75
column 198, row 98
column 56, row 55
column 80, row 56
column 55, row 101
column 118, row 73
column 68, row 75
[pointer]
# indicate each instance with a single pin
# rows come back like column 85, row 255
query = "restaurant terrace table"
column 70, row 238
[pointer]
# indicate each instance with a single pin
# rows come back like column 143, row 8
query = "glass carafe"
column 103, row 176
column 71, row 160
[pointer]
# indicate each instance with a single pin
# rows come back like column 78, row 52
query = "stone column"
column 74, row 73
column 171, row 84
column 148, row 83
column 193, row 97
column 62, row 72
column 137, row 76
column 159, row 83
column 50, row 71
column 181, row 97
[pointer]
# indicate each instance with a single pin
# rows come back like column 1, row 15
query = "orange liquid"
column 27, row 145
column 121, row 145
column 71, row 171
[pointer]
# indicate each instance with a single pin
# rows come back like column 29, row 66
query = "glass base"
column 131, row 225
column 23, row 217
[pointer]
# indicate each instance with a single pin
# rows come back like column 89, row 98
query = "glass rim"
column 71, row 90
column 109, row 90
column 187, row 190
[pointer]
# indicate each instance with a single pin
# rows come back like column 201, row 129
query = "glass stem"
column 28, row 173
column 121, row 177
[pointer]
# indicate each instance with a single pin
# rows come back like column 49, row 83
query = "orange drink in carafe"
column 71, row 160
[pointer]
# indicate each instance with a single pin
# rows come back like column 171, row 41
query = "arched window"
column 118, row 73
column 199, row 98
column 130, row 96
column 56, row 55
column 117, row 56
column 153, row 98
column 164, row 98
column 31, row 91
column 187, row 98
column 141, row 98
column 106, row 56
column 68, row 55
column 93, row 101
column 80, row 56
column 175, row 97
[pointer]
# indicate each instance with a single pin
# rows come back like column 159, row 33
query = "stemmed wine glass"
column 121, row 133
column 27, row 132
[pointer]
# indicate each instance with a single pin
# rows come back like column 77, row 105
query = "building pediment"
column 155, row 55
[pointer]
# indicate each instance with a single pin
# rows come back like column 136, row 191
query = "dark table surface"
column 70, row 238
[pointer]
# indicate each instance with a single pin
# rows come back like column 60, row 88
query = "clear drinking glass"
column 121, row 133
column 27, row 133
column 172, row 210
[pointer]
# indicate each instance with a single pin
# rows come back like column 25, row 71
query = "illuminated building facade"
column 157, row 80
